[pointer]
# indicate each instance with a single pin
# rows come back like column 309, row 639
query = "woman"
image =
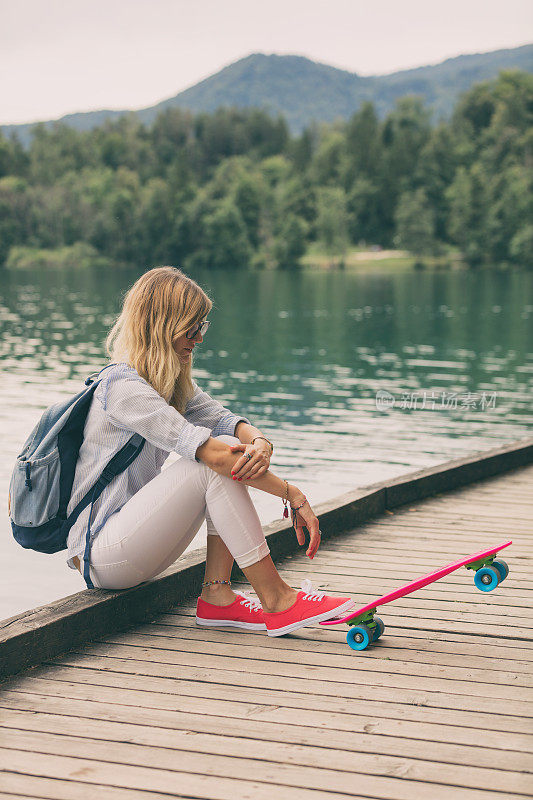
column 145, row 518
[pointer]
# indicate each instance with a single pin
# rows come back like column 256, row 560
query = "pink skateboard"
column 366, row 628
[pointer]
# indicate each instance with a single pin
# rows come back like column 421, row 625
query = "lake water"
column 356, row 377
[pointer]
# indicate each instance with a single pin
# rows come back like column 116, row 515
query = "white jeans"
column 156, row 525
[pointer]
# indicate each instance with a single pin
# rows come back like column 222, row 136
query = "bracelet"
column 293, row 509
column 266, row 440
column 209, row 583
column 285, row 509
column 301, row 504
column 294, row 514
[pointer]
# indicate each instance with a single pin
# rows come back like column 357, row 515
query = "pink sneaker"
column 244, row 612
column 310, row 606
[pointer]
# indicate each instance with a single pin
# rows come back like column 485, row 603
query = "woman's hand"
column 305, row 516
column 252, row 467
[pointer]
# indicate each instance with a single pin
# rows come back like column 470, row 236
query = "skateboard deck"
column 487, row 577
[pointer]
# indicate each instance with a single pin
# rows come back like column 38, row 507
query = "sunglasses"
column 201, row 326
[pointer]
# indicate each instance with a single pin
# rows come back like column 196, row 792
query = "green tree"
column 467, row 197
column 521, row 246
column 290, row 244
column 403, row 135
column 332, row 219
column 300, row 150
column 329, row 162
column 363, row 145
column 435, row 171
column 222, row 242
column 509, row 210
column 15, row 220
column 364, row 211
column 415, row 223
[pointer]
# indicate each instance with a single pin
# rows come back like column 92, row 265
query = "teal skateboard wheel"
column 359, row 637
column 378, row 630
column 502, row 567
column 487, row 579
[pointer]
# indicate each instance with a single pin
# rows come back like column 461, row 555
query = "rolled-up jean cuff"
column 253, row 556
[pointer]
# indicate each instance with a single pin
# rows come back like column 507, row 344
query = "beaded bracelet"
column 294, row 510
column 210, row 583
column 295, row 515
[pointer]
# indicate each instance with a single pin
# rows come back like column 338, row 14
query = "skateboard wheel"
column 378, row 630
column 502, row 567
column 487, row 579
column 359, row 637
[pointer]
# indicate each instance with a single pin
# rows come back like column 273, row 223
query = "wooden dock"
column 439, row 708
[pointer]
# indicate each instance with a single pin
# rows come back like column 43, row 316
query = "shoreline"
column 357, row 259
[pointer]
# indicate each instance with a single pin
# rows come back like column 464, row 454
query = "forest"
column 233, row 188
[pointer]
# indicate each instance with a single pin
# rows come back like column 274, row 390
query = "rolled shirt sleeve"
column 131, row 403
column 203, row 409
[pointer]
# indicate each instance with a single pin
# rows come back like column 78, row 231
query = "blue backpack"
column 41, row 483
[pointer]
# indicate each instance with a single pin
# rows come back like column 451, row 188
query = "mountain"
column 303, row 90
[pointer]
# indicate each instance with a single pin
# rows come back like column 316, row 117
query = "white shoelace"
column 250, row 602
column 310, row 592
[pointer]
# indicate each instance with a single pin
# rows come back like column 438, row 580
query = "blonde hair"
column 161, row 305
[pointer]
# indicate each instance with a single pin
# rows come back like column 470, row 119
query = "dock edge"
column 29, row 638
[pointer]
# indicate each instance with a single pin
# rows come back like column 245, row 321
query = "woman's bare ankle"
column 279, row 602
column 220, row 594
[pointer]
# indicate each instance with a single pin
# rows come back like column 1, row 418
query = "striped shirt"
column 123, row 404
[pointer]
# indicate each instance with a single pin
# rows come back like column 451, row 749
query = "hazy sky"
column 61, row 56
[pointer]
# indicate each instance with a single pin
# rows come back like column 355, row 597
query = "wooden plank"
column 450, row 655
column 163, row 708
column 198, row 664
column 467, row 637
column 334, row 774
column 442, row 602
column 396, row 628
column 388, row 553
column 460, row 585
column 341, row 657
column 520, row 496
column 483, row 507
column 447, row 595
column 450, row 531
column 56, row 789
column 433, row 647
column 245, row 680
column 463, row 470
column 448, row 516
column 421, row 538
column 91, row 772
column 372, row 574
column 392, row 553
column 341, row 692
column 357, row 567
column 4, row 796
column 247, row 738
column 321, row 667
column 392, row 556
column 144, row 693
column 409, row 547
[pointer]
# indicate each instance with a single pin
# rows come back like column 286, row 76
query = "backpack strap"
column 90, row 379
column 115, row 466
